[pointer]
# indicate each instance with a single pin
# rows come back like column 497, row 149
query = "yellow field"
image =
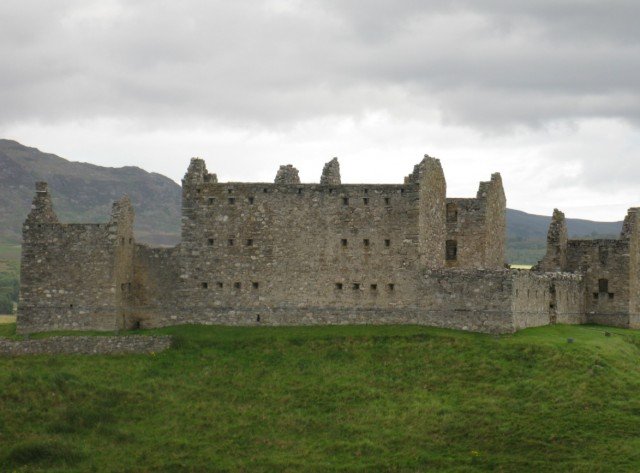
column 521, row 266
column 7, row 319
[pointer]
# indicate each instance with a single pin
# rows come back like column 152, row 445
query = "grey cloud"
column 488, row 64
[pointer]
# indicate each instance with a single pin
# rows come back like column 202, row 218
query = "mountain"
column 524, row 226
column 84, row 193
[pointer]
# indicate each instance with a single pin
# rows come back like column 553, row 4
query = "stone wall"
column 605, row 265
column 155, row 283
column 267, row 246
column 476, row 300
column 466, row 228
column 123, row 345
column 74, row 276
column 531, row 300
column 555, row 258
column 287, row 253
column 495, row 229
column 432, row 201
column 632, row 233
column 477, row 228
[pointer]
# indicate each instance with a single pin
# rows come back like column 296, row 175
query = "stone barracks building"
column 289, row 253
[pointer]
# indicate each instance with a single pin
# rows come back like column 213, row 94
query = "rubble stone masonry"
column 292, row 253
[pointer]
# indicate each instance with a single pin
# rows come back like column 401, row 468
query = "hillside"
column 385, row 398
column 84, row 193
column 525, row 226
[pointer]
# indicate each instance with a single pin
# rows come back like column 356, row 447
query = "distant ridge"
column 84, row 193
column 522, row 225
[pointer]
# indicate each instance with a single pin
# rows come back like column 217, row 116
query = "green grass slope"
column 331, row 399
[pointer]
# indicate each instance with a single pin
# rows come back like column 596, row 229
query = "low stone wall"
column 124, row 345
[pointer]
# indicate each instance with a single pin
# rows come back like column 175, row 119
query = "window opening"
column 452, row 213
column 603, row 285
column 451, row 250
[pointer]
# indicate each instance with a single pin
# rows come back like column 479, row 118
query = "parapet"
column 287, row 175
column 331, row 173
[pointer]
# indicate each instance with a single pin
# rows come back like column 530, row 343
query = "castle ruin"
column 287, row 253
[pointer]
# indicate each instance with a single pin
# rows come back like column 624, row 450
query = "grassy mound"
column 331, row 398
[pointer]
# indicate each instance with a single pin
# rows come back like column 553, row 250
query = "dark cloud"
column 485, row 63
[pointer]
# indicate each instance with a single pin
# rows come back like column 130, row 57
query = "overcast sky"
column 544, row 91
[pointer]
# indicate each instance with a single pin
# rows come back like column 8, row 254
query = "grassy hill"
column 331, row 399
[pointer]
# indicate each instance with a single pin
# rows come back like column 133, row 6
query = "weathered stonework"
column 289, row 253
column 123, row 345
column 331, row 174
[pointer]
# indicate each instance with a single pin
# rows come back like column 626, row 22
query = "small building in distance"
column 288, row 253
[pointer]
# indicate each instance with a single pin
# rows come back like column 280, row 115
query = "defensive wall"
column 292, row 253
